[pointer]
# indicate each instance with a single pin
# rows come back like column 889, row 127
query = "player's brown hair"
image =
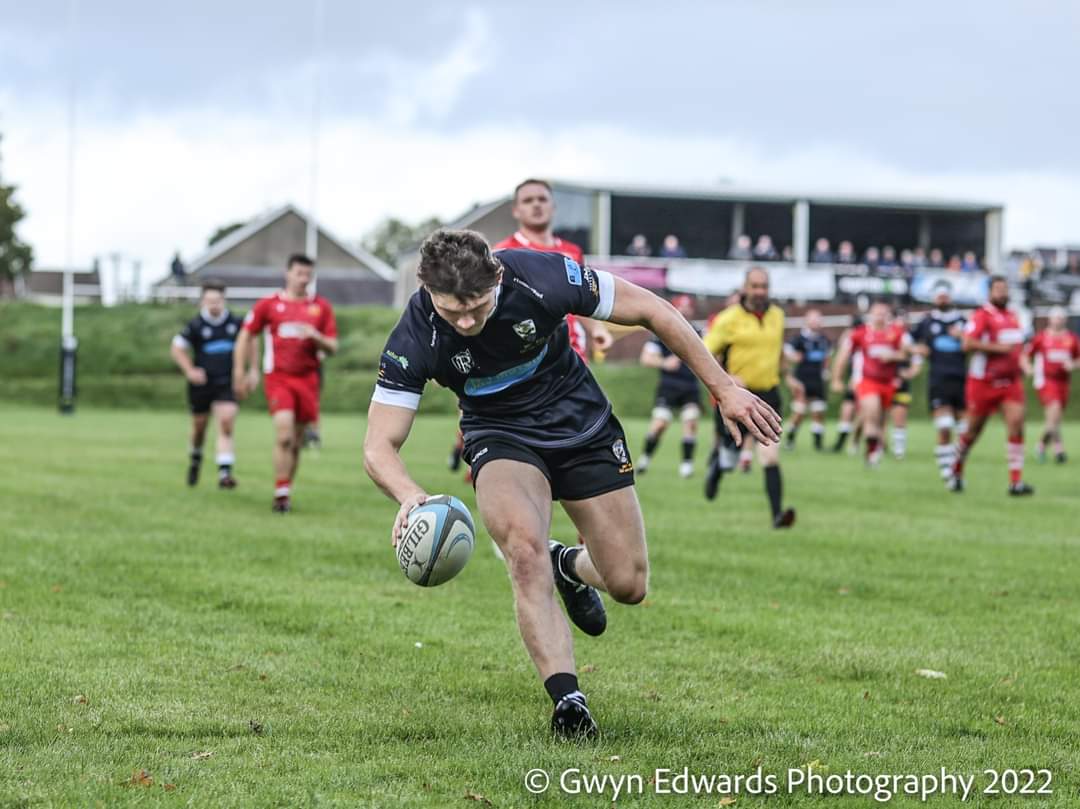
column 531, row 181
column 458, row 263
column 213, row 285
column 299, row 258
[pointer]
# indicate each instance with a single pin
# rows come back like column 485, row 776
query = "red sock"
column 963, row 446
column 1014, row 455
column 871, row 446
column 282, row 487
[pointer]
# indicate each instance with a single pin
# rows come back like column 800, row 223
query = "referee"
column 748, row 339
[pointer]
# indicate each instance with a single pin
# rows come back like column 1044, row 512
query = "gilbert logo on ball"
column 437, row 541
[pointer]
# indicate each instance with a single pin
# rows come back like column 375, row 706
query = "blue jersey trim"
column 486, row 385
column 218, row 347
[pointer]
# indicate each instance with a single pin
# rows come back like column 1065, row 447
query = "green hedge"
column 124, row 361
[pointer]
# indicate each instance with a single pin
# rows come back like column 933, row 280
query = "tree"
column 224, row 231
column 392, row 237
column 16, row 257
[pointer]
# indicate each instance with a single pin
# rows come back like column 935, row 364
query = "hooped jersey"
column 518, row 376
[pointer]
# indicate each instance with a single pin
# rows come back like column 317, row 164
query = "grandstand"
column 708, row 224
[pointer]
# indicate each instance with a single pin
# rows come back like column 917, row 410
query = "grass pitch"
column 166, row 646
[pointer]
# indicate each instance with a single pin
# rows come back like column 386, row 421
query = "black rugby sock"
column 688, row 447
column 567, row 556
column 651, row 442
column 561, row 685
column 774, row 487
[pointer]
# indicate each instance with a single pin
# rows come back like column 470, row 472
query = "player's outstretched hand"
column 740, row 406
column 402, row 519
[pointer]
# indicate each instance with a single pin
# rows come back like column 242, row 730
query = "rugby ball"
column 437, row 542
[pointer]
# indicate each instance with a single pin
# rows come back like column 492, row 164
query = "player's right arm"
column 181, row 343
column 841, row 362
column 245, row 376
column 387, row 428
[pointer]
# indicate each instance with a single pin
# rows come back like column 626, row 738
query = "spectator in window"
column 787, row 254
column 764, row 249
column 888, row 258
column 907, row 262
column 937, row 258
column 955, row 264
column 871, row 258
column 639, row 246
column 741, row 251
column 671, row 247
column 970, row 262
column 918, row 258
column 845, row 253
column 822, row 253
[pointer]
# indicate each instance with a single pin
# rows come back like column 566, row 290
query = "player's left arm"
column 630, row 305
column 325, row 336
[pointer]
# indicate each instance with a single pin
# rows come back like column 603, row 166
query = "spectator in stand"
column 955, row 264
column 970, row 262
column 907, row 262
column 871, row 258
column 822, row 253
column 671, row 247
column 1073, row 267
column 764, row 249
column 845, row 254
column 787, row 254
column 741, row 251
column 918, row 260
column 888, row 258
column 639, row 246
column 937, row 258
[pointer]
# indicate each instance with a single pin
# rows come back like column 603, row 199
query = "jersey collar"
column 205, row 315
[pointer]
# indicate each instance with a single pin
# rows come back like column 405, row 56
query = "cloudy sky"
column 192, row 115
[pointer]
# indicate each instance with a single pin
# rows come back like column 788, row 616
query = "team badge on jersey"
column 525, row 329
column 206, row 332
column 314, row 310
column 463, row 361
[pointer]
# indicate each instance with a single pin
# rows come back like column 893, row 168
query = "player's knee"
column 286, row 442
column 527, row 558
column 629, row 586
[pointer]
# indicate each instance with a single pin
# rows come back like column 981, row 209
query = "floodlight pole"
column 68, row 342
column 311, row 246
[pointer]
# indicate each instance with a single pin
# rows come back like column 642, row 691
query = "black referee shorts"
column 771, row 397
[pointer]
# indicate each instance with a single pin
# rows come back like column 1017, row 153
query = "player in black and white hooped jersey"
column 809, row 353
column 210, row 337
column 678, row 391
column 939, row 336
column 537, row 428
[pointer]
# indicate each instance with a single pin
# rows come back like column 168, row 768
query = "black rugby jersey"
column 212, row 341
column 682, row 379
column 937, row 331
column 518, row 376
column 814, row 347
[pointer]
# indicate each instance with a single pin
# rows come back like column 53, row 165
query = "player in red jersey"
column 883, row 344
column 296, row 327
column 1055, row 352
column 995, row 340
column 534, row 211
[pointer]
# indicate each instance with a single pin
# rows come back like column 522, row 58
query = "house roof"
column 219, row 248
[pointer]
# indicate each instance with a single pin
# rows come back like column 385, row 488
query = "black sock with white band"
column 562, row 685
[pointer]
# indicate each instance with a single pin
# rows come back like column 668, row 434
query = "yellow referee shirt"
column 749, row 346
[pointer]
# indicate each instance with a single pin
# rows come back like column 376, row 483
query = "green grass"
column 188, row 620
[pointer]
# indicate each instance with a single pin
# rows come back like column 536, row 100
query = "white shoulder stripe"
column 396, row 398
column 607, row 295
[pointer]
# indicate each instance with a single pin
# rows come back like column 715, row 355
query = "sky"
column 195, row 115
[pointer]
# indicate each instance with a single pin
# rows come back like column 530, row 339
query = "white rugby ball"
column 437, row 542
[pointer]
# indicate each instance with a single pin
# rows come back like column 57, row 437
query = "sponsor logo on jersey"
column 573, row 271
column 280, row 307
column 398, row 358
column 463, row 361
column 590, row 282
column 484, row 386
column 525, row 329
